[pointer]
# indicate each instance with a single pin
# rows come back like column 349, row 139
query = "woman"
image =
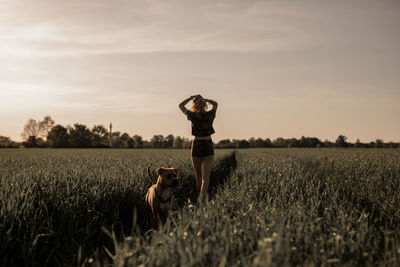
column 202, row 146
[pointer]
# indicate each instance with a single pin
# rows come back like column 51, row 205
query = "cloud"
column 50, row 28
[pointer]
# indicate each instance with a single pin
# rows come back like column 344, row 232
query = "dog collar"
column 162, row 200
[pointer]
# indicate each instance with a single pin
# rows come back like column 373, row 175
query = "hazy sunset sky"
column 276, row 68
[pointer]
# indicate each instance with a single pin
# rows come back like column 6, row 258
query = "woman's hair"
column 199, row 105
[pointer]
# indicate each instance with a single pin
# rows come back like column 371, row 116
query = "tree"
column 31, row 132
column 379, row 143
column 293, row 142
column 225, row 143
column 169, row 140
column 252, row 142
column 58, row 137
column 178, row 142
column 45, row 126
column 341, row 141
column 79, row 136
column 116, row 142
column 187, row 143
column 328, row 143
column 34, row 129
column 147, row 144
column 4, row 141
column 235, row 142
column 310, row 142
column 259, row 142
column 99, row 136
column 157, row 140
column 124, row 140
column 244, row 144
column 267, row 142
column 40, row 142
column 371, row 144
column 138, row 140
column 357, row 143
column 392, row 145
column 280, row 142
column 131, row 143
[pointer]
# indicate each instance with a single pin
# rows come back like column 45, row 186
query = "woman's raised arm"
column 184, row 102
column 213, row 103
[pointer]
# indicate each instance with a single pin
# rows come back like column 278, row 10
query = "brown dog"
column 160, row 197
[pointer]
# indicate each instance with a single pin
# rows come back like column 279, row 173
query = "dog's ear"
column 176, row 172
column 160, row 171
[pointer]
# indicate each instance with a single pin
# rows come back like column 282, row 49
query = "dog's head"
column 168, row 177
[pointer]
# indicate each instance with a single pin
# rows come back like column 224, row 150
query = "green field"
column 267, row 207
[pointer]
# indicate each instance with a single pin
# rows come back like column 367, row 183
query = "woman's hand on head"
column 195, row 96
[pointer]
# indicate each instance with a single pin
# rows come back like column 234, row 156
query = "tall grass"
column 53, row 203
column 284, row 208
column 267, row 207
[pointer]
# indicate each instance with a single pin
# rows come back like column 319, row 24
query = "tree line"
column 280, row 142
column 45, row 133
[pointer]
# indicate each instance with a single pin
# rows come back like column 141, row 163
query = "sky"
column 276, row 68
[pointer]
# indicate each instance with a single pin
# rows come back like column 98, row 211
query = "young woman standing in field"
column 202, row 146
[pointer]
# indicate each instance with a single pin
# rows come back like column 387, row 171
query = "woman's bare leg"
column 198, row 172
column 206, row 170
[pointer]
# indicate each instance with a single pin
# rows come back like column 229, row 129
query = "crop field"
column 266, row 207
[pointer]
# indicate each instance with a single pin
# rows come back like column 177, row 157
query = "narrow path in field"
column 220, row 173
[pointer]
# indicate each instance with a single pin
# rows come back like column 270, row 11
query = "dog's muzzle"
column 174, row 183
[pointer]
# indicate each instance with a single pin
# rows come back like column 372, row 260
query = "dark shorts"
column 202, row 148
